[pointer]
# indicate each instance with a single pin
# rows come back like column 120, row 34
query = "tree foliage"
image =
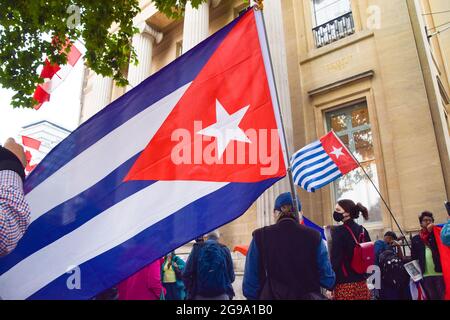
column 27, row 28
column 175, row 8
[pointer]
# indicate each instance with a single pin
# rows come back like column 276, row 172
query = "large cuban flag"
column 186, row 151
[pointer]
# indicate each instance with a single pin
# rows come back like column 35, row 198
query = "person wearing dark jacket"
column 349, row 284
column 190, row 270
column 287, row 260
column 201, row 268
column 14, row 209
column 424, row 248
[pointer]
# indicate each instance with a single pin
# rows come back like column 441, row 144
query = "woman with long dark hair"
column 350, row 285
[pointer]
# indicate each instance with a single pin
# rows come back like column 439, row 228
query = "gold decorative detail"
column 259, row 4
column 340, row 64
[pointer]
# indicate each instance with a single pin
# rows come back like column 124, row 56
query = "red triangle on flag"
column 231, row 96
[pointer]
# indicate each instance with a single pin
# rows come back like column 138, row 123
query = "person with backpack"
column 287, row 260
column 171, row 275
column 394, row 277
column 351, row 252
column 209, row 271
column 424, row 249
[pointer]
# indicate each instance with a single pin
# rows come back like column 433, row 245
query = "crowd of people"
column 286, row 260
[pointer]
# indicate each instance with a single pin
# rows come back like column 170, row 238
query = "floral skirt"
column 352, row 291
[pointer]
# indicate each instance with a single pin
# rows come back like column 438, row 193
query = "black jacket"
column 418, row 252
column 290, row 251
column 9, row 161
column 341, row 252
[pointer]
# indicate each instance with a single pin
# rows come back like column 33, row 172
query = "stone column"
column 143, row 44
column 97, row 95
column 196, row 24
column 274, row 23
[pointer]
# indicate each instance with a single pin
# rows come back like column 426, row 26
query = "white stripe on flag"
column 307, row 147
column 317, row 174
column 319, row 157
column 102, row 233
column 103, row 157
column 319, row 182
column 310, row 169
column 270, row 79
column 307, row 154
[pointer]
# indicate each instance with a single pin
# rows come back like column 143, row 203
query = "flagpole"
column 376, row 189
column 259, row 7
column 385, row 203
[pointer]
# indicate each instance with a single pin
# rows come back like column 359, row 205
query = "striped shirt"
column 14, row 211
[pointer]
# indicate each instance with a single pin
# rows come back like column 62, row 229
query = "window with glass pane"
column 352, row 125
column 327, row 10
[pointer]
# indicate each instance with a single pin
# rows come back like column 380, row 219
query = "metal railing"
column 334, row 30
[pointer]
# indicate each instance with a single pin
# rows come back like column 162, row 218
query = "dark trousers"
column 172, row 292
column 394, row 293
column 434, row 287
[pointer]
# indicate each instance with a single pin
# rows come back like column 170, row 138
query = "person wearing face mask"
column 287, row 260
column 350, row 285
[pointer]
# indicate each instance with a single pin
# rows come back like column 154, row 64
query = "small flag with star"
column 321, row 162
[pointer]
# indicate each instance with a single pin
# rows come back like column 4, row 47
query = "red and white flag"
column 56, row 75
column 30, row 143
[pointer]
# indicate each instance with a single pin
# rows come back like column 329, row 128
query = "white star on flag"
column 337, row 152
column 226, row 128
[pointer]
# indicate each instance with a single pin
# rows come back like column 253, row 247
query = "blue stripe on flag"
column 115, row 265
column 316, row 154
column 314, row 226
column 305, row 149
column 310, row 173
column 73, row 213
column 178, row 73
column 301, row 167
column 306, row 171
column 325, row 183
column 326, row 174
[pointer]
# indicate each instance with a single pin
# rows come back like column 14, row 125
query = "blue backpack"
column 212, row 278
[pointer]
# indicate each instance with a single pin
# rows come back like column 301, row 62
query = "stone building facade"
column 375, row 71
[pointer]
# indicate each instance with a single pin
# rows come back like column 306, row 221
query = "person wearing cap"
column 287, row 260
column 14, row 210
